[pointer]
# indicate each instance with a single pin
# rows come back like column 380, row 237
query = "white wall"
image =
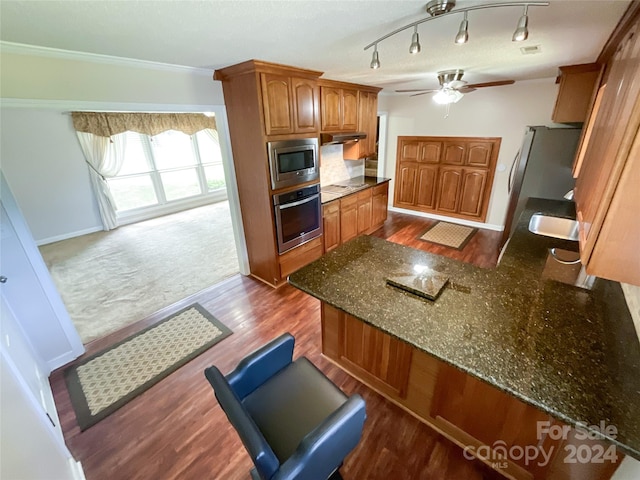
column 39, row 153
column 488, row 112
column 44, row 166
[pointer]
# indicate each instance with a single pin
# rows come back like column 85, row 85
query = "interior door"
column 30, row 292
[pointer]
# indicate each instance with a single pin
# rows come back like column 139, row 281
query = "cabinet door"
column 305, row 105
column 472, row 193
column 409, row 151
column 349, row 110
column 427, row 186
column 406, row 186
column 331, row 225
column 276, row 103
column 372, row 130
column 348, row 218
column 364, row 211
column 479, row 154
column 379, row 205
column 429, row 152
column 454, row 153
column 331, row 107
column 449, row 189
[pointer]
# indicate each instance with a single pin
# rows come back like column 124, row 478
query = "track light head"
column 415, row 42
column 375, row 60
column 463, row 31
column 522, row 31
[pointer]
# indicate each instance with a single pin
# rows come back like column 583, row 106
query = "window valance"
column 107, row 124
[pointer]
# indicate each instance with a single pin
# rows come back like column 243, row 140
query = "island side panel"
column 464, row 409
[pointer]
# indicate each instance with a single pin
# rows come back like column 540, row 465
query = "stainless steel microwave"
column 292, row 162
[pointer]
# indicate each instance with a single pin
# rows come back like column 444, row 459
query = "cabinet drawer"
column 349, row 201
column 300, row 256
column 364, row 195
column 381, row 189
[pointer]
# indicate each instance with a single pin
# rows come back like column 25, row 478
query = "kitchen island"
column 505, row 344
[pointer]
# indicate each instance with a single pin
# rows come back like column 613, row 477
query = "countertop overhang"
column 570, row 352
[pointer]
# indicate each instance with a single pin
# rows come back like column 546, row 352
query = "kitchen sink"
column 555, row 227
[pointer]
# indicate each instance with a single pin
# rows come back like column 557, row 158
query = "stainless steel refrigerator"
column 542, row 168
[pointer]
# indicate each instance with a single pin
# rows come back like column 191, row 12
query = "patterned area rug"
column 448, row 234
column 106, row 381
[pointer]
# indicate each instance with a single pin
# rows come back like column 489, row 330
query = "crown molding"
column 34, row 50
column 93, row 106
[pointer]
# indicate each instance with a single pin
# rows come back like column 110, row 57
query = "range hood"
column 341, row 137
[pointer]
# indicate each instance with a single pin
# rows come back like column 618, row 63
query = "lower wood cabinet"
column 464, row 409
column 300, row 256
column 331, row 225
column 356, row 214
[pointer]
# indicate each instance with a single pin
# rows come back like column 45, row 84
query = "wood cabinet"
column 348, row 218
column 446, row 175
column 359, row 213
column 367, row 123
column 267, row 101
column 577, row 85
column 365, row 207
column 379, row 205
column 331, row 225
column 606, row 193
column 470, row 412
column 290, row 104
column 339, row 107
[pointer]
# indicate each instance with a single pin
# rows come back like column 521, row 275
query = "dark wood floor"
column 176, row 430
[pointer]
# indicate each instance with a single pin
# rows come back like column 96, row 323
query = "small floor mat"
column 448, row 234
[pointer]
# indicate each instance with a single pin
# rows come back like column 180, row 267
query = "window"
column 165, row 168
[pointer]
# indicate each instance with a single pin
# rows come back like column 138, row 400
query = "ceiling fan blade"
column 466, row 90
column 492, row 84
column 456, row 84
column 423, row 93
column 418, row 90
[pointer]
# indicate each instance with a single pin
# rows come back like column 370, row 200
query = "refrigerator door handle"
column 513, row 167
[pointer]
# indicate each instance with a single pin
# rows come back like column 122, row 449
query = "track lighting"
column 463, row 32
column 375, row 61
column 442, row 8
column 415, row 42
column 522, row 32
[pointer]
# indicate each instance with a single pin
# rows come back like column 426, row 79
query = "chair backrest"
column 259, row 450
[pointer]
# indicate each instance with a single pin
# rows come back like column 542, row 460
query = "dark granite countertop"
column 571, row 352
column 329, row 193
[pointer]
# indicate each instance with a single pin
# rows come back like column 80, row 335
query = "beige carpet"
column 108, row 280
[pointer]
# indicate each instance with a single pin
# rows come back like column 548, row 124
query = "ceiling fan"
column 452, row 87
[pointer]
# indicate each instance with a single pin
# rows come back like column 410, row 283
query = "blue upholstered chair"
column 294, row 422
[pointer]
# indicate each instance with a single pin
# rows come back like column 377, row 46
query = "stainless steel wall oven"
column 298, row 216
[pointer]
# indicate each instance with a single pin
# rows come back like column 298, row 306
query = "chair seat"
column 292, row 404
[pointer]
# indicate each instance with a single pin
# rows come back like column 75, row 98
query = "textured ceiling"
column 324, row 35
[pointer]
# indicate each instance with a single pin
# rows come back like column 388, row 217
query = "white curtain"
column 105, row 156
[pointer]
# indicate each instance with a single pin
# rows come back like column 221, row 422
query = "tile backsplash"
column 333, row 167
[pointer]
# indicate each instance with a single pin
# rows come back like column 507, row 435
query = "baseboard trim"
column 67, row 236
column 459, row 221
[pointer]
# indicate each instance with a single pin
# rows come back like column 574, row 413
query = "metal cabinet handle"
column 553, row 253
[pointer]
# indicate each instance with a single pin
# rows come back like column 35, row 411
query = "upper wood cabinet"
column 607, row 192
column 339, row 109
column 448, row 175
column 577, row 84
column 290, row 104
column 367, row 123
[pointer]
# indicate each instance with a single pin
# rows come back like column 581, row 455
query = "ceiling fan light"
column 447, row 96
column 522, row 30
column 415, row 43
column 463, row 31
column 375, row 60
